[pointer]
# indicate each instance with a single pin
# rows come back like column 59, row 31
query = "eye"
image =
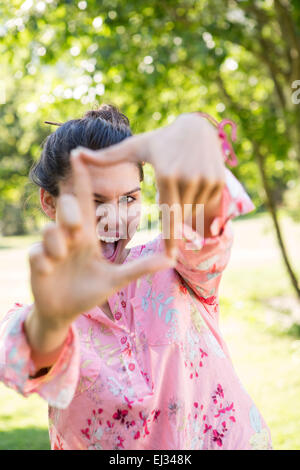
column 126, row 199
column 97, row 203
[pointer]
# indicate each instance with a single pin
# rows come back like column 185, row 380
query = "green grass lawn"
column 23, row 421
column 267, row 361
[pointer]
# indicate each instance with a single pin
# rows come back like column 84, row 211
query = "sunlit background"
column 156, row 60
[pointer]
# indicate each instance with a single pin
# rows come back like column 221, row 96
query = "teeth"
column 108, row 239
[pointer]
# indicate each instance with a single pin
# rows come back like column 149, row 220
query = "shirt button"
column 118, row 315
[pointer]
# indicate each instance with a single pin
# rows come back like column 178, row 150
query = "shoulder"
column 152, row 246
column 16, row 311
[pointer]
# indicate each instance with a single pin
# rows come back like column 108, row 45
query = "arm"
column 68, row 276
column 46, row 344
column 18, row 370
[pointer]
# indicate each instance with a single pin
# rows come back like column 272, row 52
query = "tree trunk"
column 269, row 197
column 273, row 212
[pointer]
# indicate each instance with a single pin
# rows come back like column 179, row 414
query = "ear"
column 48, row 203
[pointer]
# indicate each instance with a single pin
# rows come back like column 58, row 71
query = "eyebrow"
column 100, row 196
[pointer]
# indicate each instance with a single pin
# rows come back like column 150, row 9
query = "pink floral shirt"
column 159, row 376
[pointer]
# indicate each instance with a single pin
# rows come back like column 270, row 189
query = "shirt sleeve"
column 58, row 385
column 201, row 261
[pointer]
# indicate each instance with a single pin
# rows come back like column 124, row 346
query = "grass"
column 266, row 360
column 23, row 421
column 7, row 243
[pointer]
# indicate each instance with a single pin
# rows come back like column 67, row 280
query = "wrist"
column 46, row 322
column 44, row 336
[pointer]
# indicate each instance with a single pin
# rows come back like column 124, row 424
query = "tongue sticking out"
column 109, row 249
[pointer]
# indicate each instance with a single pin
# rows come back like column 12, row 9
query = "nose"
column 111, row 219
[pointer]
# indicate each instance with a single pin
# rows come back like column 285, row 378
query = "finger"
column 68, row 212
column 206, row 207
column 129, row 272
column 216, row 192
column 55, row 245
column 83, row 191
column 117, row 153
column 214, row 199
column 38, row 260
column 209, row 192
column 200, row 199
column 182, row 187
column 171, row 212
column 188, row 191
column 204, row 188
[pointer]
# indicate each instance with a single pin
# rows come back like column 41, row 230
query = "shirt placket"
column 126, row 338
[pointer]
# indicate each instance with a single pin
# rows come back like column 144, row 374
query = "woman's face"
column 117, row 198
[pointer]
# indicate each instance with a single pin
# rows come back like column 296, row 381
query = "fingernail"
column 215, row 226
column 75, row 153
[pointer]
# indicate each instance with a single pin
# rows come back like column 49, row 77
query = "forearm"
column 46, row 342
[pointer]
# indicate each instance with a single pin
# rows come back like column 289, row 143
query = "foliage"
column 234, row 59
column 292, row 202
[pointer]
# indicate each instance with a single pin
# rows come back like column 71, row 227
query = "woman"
column 127, row 350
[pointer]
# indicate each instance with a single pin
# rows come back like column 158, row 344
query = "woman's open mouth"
column 110, row 246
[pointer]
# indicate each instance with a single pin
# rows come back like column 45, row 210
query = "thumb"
column 129, row 272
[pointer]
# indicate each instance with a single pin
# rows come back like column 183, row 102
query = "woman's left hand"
column 188, row 161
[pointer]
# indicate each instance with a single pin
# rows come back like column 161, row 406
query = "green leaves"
column 154, row 61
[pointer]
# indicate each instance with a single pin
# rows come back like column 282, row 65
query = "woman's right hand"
column 69, row 274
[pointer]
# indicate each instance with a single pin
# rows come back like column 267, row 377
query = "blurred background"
column 237, row 59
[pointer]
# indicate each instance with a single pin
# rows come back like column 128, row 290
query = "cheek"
column 134, row 211
column 133, row 218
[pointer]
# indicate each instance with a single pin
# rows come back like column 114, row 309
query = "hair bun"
column 110, row 113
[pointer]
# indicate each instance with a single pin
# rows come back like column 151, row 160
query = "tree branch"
column 267, row 46
column 289, row 32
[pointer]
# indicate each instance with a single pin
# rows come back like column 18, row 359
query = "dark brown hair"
column 96, row 130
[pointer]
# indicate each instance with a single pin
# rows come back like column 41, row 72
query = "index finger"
column 126, row 150
column 171, row 213
column 84, row 195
